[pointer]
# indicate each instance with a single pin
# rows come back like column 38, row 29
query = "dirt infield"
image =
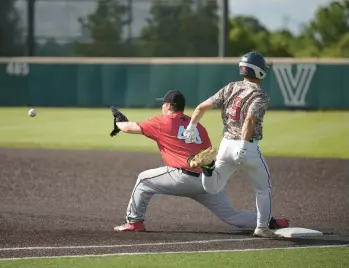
column 72, row 200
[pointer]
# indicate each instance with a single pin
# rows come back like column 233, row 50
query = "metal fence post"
column 224, row 29
column 31, row 28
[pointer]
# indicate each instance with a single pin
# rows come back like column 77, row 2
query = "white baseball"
column 32, row 113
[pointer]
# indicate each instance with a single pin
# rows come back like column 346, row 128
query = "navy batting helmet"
column 253, row 64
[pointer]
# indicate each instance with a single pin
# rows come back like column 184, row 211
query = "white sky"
column 59, row 18
column 278, row 13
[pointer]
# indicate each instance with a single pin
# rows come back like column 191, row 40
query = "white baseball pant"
column 256, row 168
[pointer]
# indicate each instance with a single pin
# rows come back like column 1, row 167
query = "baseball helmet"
column 253, row 64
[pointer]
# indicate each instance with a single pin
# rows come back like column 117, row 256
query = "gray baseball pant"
column 172, row 181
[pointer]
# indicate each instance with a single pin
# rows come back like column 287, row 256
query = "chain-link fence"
column 120, row 28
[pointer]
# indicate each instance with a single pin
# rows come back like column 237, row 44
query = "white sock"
column 263, row 204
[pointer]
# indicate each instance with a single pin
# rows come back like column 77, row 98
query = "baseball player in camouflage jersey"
column 243, row 105
column 176, row 177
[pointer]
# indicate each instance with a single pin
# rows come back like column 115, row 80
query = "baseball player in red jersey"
column 243, row 105
column 176, row 177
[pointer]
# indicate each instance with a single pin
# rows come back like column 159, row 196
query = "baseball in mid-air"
column 32, row 112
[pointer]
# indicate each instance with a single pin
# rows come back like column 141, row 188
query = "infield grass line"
column 136, row 245
column 178, row 252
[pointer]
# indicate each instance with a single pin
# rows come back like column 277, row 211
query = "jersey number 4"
column 180, row 135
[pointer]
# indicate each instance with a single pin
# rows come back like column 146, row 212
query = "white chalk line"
column 174, row 252
column 135, row 245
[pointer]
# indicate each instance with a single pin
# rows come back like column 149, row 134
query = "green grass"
column 307, row 258
column 303, row 134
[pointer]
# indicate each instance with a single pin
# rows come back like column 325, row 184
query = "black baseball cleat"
column 208, row 170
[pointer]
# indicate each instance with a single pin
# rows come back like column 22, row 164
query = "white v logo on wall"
column 294, row 88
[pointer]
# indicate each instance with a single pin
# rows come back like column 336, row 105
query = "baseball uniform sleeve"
column 257, row 107
column 218, row 98
column 151, row 127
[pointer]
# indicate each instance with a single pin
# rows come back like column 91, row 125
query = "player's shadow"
column 316, row 241
column 301, row 241
column 238, row 233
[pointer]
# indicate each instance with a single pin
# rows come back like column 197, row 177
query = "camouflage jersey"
column 236, row 100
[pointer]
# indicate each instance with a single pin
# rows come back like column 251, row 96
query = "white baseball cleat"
column 266, row 233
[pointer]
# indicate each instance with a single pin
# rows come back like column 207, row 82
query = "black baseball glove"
column 118, row 117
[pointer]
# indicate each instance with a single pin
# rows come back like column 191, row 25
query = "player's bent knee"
column 143, row 175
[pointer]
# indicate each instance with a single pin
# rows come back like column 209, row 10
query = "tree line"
column 187, row 28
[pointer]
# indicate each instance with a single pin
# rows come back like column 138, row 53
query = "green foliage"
column 167, row 30
column 53, row 48
column 10, row 32
column 329, row 29
column 184, row 28
column 247, row 34
column 188, row 28
column 326, row 35
column 329, row 24
column 241, row 35
column 105, row 28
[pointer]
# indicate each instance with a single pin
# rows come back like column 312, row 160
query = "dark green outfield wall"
column 312, row 86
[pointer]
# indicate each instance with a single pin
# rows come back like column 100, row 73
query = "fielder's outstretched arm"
column 129, row 127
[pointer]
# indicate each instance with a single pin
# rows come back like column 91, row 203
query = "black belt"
column 190, row 173
column 251, row 140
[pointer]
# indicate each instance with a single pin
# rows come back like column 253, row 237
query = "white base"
column 297, row 232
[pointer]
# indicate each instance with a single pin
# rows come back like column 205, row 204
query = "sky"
column 58, row 18
column 275, row 14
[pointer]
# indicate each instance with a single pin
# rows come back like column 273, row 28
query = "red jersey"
column 167, row 131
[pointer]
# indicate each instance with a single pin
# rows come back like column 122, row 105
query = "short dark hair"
column 176, row 108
